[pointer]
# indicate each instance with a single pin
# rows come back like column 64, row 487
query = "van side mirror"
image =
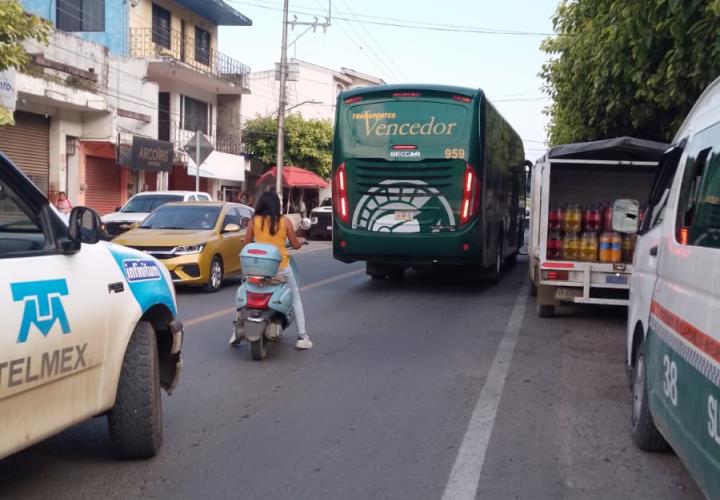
column 244, row 222
column 626, row 216
column 84, row 225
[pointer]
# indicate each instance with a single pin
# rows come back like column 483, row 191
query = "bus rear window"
column 407, row 122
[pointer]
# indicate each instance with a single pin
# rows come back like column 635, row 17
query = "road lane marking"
column 465, row 474
column 309, row 250
column 230, row 310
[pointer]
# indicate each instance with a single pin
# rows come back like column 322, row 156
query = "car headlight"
column 188, row 249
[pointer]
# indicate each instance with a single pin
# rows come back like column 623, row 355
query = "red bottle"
column 591, row 221
column 555, row 218
column 554, row 246
column 607, row 218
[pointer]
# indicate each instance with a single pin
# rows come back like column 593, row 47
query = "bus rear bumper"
column 459, row 248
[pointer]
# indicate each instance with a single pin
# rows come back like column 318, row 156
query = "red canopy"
column 295, row 177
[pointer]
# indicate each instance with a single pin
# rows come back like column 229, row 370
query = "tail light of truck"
column 340, row 204
column 258, row 300
column 556, row 275
column 470, row 195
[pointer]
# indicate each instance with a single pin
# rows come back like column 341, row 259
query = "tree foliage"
column 628, row 67
column 308, row 143
column 17, row 26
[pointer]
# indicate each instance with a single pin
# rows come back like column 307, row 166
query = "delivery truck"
column 575, row 253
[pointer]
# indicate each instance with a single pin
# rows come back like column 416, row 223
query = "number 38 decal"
column 454, row 153
column 670, row 380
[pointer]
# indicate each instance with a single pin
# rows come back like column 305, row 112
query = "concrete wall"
column 141, row 17
column 115, row 36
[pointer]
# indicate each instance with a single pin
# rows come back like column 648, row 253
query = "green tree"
column 628, row 67
column 17, row 26
column 308, row 143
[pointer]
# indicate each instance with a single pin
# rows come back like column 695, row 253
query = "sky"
column 505, row 66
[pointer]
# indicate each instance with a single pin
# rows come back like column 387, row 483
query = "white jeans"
column 297, row 301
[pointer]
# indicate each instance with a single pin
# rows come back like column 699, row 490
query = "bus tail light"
column 340, row 204
column 470, row 195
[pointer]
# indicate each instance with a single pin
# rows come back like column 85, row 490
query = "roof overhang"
column 217, row 12
column 223, row 166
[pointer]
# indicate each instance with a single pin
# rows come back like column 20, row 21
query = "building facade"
column 312, row 90
column 115, row 70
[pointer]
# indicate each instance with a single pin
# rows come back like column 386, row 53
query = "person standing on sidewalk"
column 63, row 203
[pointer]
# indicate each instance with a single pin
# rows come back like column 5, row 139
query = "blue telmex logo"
column 43, row 306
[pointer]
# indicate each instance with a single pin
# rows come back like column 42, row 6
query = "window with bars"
column 161, row 27
column 81, row 15
column 202, row 46
column 196, row 115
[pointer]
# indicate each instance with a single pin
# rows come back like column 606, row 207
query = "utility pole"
column 197, row 160
column 281, row 108
column 283, row 87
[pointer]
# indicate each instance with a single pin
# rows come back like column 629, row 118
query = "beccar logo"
column 141, row 270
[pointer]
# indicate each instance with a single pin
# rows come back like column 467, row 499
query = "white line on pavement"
column 296, row 252
column 465, row 474
column 229, row 310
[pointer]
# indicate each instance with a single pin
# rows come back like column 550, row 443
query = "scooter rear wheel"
column 258, row 349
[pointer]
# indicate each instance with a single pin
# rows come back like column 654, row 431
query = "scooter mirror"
column 305, row 224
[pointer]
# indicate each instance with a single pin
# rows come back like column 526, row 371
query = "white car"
column 88, row 327
column 673, row 335
column 321, row 221
column 139, row 206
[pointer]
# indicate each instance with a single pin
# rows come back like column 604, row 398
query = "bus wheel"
column 643, row 430
column 375, row 271
column 396, row 273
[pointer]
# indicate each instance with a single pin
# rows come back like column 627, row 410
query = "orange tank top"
column 261, row 228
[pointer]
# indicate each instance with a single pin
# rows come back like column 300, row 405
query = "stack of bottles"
column 586, row 235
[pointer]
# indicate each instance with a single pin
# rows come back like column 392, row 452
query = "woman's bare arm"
column 249, row 233
column 295, row 242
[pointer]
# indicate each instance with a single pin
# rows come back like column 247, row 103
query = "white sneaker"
column 234, row 341
column 303, row 342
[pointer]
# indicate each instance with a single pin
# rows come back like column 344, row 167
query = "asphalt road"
column 404, row 379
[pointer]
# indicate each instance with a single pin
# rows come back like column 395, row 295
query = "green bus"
column 425, row 175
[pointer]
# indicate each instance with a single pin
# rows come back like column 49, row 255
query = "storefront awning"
column 295, row 177
column 222, row 166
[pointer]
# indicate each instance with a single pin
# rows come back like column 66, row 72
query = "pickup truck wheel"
column 643, row 430
column 135, row 422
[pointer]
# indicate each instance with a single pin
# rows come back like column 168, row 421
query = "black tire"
column 642, row 427
column 496, row 270
column 511, row 260
column 214, row 282
column 396, row 273
column 135, row 421
column 533, row 289
column 544, row 311
column 377, row 277
column 258, row 349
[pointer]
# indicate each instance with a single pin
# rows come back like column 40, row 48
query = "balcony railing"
column 180, row 137
column 151, row 43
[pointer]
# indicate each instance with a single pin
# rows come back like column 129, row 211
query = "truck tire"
column 396, row 273
column 642, row 427
column 135, row 421
column 545, row 311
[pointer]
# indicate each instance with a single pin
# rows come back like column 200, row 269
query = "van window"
column 698, row 222
column 661, row 187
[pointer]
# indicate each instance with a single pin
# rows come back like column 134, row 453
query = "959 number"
column 454, row 154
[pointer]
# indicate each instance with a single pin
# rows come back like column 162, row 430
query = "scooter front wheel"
column 258, row 349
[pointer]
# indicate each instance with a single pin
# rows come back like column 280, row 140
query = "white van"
column 673, row 336
column 88, row 327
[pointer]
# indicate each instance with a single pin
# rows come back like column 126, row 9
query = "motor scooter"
column 263, row 301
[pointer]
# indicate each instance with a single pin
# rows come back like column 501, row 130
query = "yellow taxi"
column 199, row 242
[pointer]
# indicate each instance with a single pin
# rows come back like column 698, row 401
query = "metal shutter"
column 27, row 144
column 102, row 179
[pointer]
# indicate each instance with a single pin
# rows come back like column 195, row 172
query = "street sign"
column 8, row 92
column 205, row 148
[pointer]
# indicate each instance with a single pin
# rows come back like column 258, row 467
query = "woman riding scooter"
column 269, row 226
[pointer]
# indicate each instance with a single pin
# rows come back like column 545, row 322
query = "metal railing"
column 152, row 43
column 224, row 143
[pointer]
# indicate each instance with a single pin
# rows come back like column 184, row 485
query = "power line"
column 405, row 23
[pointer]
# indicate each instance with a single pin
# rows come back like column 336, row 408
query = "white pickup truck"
column 88, row 327
column 585, row 174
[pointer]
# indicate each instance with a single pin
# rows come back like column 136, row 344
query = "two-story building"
column 200, row 88
column 311, row 91
column 116, row 70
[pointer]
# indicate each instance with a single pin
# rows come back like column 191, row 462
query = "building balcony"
column 173, row 56
column 173, row 132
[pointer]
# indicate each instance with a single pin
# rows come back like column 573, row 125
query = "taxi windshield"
column 182, row 217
